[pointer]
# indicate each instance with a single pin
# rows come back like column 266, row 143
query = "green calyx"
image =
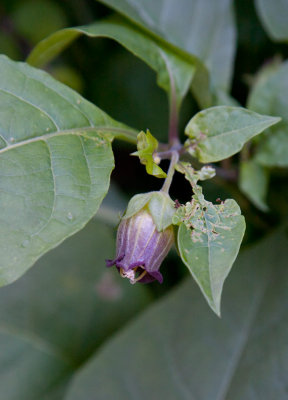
column 159, row 204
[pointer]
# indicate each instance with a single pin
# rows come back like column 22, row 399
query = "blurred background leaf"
column 253, row 181
column 174, row 69
column 54, row 317
column 207, row 29
column 178, row 349
column 36, row 19
column 270, row 95
column 274, row 18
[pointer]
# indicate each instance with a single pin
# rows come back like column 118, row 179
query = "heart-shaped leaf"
column 209, row 239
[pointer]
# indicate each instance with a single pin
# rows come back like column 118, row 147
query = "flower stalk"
column 170, row 173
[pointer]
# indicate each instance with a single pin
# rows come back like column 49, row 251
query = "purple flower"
column 141, row 248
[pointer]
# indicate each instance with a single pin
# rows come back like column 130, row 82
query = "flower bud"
column 141, row 248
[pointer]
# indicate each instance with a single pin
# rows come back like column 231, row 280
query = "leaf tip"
column 215, row 305
column 275, row 120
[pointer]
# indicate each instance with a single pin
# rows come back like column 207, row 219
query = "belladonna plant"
column 72, row 140
column 207, row 236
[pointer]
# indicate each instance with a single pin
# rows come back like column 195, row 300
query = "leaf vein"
column 32, row 105
column 54, row 192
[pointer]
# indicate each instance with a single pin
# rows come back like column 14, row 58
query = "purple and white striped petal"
column 141, row 248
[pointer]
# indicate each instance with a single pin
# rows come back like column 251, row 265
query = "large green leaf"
column 274, row 18
column 180, row 350
column 22, row 358
column 203, row 28
column 55, row 159
column 58, row 313
column 219, row 132
column 209, row 238
column 174, row 68
column 270, row 96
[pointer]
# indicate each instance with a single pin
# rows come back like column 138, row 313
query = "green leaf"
column 193, row 176
column 22, row 359
column 253, row 182
column 180, row 350
column 147, row 145
column 274, row 18
column 219, row 132
column 174, row 69
column 270, row 96
column 209, row 239
column 54, row 317
column 55, row 159
column 207, row 31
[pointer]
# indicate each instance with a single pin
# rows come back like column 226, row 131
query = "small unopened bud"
column 141, row 248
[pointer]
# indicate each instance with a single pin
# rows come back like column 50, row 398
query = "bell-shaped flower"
column 141, row 245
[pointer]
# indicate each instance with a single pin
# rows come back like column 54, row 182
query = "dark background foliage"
column 117, row 82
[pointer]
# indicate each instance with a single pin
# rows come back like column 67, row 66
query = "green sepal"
column 159, row 204
column 136, row 204
column 162, row 209
column 147, row 145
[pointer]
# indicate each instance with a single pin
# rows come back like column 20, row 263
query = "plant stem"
column 173, row 111
column 173, row 120
column 174, row 159
column 167, row 155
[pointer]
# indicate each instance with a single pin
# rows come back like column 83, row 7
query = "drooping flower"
column 141, row 247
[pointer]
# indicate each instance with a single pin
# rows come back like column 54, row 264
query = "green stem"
column 170, row 173
column 167, row 155
column 173, row 120
column 173, row 110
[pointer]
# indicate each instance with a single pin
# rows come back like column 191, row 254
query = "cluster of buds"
column 145, row 236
